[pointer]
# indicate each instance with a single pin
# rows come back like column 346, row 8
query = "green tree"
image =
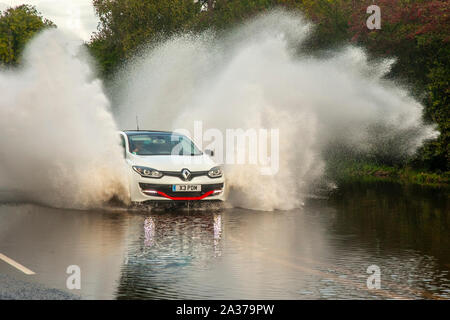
column 17, row 26
column 436, row 154
column 127, row 24
column 417, row 33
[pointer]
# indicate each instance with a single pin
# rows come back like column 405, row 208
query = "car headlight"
column 147, row 172
column 215, row 172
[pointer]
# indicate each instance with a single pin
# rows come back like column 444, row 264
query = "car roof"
column 147, row 131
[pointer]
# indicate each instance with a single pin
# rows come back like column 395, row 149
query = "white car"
column 167, row 167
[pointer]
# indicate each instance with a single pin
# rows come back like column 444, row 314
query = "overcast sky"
column 77, row 16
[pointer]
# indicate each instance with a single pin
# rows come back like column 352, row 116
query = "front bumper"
column 149, row 189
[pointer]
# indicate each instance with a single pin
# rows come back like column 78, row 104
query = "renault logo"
column 186, row 174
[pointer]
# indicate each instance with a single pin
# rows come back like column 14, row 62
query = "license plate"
column 187, row 187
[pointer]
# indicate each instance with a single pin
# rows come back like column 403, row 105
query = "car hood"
column 173, row 162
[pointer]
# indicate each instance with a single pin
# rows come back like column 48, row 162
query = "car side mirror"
column 209, row 152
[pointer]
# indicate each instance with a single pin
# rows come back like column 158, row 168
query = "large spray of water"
column 58, row 138
column 255, row 78
column 59, row 144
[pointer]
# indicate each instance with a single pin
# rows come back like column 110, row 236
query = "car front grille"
column 167, row 189
column 179, row 175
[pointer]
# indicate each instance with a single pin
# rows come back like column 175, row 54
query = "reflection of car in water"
column 166, row 251
column 167, row 167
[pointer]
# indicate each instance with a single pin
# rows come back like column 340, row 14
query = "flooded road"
column 321, row 251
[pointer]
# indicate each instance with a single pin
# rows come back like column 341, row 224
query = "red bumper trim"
column 185, row 198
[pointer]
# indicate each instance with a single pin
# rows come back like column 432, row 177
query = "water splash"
column 254, row 78
column 59, row 143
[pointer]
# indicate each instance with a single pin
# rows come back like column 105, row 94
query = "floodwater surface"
column 320, row 251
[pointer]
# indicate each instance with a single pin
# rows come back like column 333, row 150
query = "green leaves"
column 17, row 26
column 128, row 24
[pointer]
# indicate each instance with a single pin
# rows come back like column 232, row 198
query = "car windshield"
column 161, row 143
